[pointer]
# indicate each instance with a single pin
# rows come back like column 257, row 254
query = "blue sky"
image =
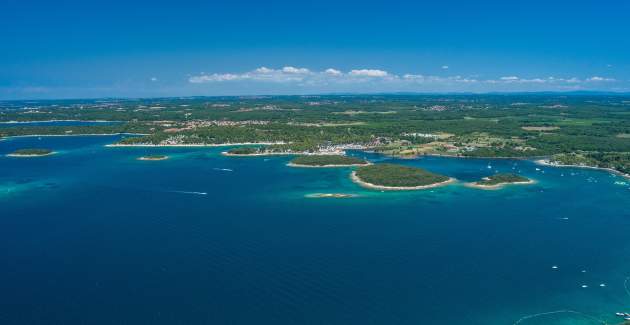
column 80, row 49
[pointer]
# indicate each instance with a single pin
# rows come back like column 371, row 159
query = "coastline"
column 327, row 166
column 451, row 156
column 228, row 154
column 357, row 180
column 194, row 144
column 546, row 162
column 70, row 135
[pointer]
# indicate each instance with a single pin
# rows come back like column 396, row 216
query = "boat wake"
column 189, row 192
column 223, row 169
column 564, row 311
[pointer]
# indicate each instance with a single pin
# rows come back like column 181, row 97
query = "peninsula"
column 617, row 163
column 397, row 177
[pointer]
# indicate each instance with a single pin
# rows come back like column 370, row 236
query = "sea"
column 91, row 235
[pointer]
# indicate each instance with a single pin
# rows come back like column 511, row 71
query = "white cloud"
column 381, row 79
column 445, row 67
column 154, row 79
column 574, row 80
column 215, row 77
column 597, row 78
column 534, row 80
column 372, row 73
column 413, row 77
column 295, row 70
column 264, row 70
column 333, row 72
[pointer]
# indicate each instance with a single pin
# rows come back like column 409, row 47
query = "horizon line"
column 455, row 93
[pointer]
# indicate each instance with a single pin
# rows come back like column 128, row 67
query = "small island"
column 244, row 151
column 326, row 161
column 499, row 180
column 31, row 152
column 153, row 157
column 397, row 177
column 331, row 195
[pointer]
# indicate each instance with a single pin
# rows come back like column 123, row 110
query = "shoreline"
column 546, row 162
column 357, row 180
column 228, row 154
column 327, row 166
column 70, row 135
column 144, row 145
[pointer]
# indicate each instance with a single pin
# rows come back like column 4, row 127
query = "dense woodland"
column 327, row 160
column 397, row 175
column 502, row 178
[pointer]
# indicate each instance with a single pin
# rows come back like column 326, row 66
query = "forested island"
column 244, row 151
column 31, row 152
column 326, row 161
column 397, row 177
column 575, row 129
column 499, row 180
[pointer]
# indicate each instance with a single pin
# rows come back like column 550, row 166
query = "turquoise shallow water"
column 93, row 236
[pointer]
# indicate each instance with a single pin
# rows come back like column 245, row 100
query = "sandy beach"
column 357, row 180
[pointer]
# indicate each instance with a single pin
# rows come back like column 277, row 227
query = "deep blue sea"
column 93, row 236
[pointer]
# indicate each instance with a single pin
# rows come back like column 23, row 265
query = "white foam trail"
column 524, row 318
column 190, row 192
column 224, row 169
